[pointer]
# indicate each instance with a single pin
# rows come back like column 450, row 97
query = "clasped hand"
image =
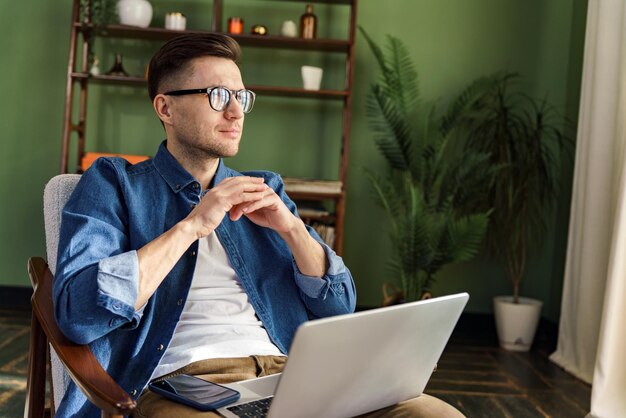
column 241, row 196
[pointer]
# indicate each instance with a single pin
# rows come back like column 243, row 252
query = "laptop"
column 348, row 365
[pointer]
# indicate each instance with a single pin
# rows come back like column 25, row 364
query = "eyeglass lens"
column 219, row 98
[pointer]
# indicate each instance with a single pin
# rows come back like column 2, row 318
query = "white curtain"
column 592, row 333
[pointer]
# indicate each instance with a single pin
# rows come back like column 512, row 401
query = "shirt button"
column 193, row 254
column 179, row 302
column 195, row 186
column 160, row 347
column 193, row 205
column 178, row 187
column 133, row 392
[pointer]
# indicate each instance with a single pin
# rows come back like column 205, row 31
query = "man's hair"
column 171, row 61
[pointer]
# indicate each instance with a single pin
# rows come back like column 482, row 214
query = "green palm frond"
column 431, row 180
column 465, row 105
column 401, row 77
column 378, row 53
column 391, row 102
column 391, row 132
column 469, row 183
column 384, row 194
column 465, row 236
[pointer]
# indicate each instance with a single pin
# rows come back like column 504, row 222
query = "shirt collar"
column 176, row 176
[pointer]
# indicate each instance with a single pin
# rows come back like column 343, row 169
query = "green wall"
column 452, row 42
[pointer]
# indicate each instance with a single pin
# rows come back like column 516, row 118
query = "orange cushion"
column 90, row 157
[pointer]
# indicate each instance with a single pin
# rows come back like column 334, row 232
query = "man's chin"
column 227, row 153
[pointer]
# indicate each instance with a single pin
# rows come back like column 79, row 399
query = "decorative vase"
column 516, row 323
column 118, row 69
column 289, row 29
column 135, row 12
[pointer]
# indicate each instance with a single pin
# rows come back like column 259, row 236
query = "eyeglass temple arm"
column 184, row 92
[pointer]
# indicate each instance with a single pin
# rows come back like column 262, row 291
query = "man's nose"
column 233, row 110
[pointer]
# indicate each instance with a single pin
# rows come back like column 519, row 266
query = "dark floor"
column 473, row 374
column 484, row 381
column 14, row 341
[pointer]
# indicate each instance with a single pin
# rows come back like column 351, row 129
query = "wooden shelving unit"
column 79, row 79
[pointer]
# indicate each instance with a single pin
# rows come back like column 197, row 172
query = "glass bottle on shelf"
column 308, row 24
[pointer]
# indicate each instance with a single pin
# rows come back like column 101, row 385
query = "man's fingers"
column 242, row 178
column 239, row 186
column 248, row 186
column 248, row 183
column 261, row 203
column 253, row 204
column 242, row 201
column 238, row 210
column 234, row 193
column 237, row 193
column 249, row 197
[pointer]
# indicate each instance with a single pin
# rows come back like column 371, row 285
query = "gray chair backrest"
column 55, row 196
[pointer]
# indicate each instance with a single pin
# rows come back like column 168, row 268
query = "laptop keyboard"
column 253, row 409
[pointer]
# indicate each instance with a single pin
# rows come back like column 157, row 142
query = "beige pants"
column 151, row 405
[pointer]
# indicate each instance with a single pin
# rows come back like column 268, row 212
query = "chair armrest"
column 81, row 364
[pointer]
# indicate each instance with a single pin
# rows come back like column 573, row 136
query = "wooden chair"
column 66, row 358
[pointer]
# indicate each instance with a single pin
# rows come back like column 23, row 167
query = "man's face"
column 196, row 129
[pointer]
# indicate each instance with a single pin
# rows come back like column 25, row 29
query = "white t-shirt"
column 218, row 320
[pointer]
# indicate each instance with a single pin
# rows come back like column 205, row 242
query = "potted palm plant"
column 523, row 136
column 431, row 188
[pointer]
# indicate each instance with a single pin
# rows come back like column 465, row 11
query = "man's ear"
column 162, row 108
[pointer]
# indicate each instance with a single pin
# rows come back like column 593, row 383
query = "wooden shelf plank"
column 327, row 45
column 152, row 33
column 110, row 79
column 346, row 2
column 298, row 92
column 313, row 195
column 262, row 90
column 312, row 189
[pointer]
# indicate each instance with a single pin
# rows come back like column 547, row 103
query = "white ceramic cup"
column 175, row 21
column 311, row 77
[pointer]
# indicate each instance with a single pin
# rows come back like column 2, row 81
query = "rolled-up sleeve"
column 332, row 294
column 118, row 279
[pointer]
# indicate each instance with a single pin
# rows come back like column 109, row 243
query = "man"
column 180, row 264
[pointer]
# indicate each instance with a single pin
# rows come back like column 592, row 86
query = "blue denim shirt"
column 116, row 209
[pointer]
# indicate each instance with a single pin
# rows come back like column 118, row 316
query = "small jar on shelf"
column 235, row 25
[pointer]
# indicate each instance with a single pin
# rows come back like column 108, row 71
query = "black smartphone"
column 195, row 392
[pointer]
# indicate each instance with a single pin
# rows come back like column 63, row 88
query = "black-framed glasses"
column 219, row 97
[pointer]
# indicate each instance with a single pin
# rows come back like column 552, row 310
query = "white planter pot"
column 516, row 323
column 135, row 12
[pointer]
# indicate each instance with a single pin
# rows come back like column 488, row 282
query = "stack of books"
column 295, row 185
column 312, row 213
column 308, row 191
column 326, row 232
